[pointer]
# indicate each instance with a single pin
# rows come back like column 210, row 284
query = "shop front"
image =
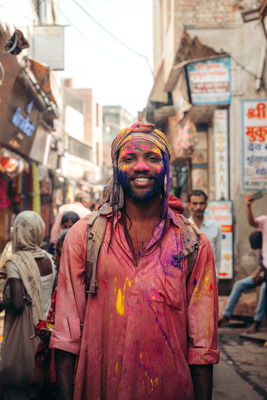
column 26, row 121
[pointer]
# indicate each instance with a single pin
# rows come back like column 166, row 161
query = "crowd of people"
column 128, row 307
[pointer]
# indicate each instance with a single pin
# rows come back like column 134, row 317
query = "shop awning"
column 42, row 74
column 190, row 49
column 157, row 93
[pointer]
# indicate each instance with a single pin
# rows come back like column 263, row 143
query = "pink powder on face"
column 141, row 166
column 158, row 169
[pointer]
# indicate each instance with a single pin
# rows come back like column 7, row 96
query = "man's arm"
column 251, row 220
column 258, row 275
column 65, row 363
column 202, row 379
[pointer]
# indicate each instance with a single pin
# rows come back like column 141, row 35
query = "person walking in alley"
column 26, row 299
column 147, row 325
column 76, row 206
column 197, row 204
column 256, row 279
column 44, row 380
column 68, row 219
column 258, row 223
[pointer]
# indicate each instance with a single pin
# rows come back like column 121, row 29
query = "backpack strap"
column 190, row 237
column 96, row 230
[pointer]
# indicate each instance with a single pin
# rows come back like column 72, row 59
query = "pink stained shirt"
column 145, row 326
column 262, row 220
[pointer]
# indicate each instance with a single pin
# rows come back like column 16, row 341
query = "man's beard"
column 157, row 186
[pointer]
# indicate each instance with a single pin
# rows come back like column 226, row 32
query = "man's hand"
column 202, row 379
column 249, row 199
column 251, row 219
column 65, row 363
column 258, row 276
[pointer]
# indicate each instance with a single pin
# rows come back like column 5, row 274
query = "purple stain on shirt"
column 195, row 282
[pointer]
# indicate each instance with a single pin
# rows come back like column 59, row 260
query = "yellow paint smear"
column 120, row 303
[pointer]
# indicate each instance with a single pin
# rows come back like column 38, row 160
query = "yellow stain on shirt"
column 117, row 366
column 120, row 303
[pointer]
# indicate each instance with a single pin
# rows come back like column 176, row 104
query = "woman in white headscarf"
column 27, row 294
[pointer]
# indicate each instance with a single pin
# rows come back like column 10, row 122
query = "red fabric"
column 4, row 202
column 175, row 204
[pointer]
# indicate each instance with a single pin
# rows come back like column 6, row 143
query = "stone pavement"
column 242, row 371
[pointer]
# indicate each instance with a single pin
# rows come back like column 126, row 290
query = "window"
column 79, row 149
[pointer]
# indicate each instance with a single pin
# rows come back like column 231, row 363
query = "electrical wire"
column 241, row 65
column 112, row 35
column 34, row 9
column 81, row 34
column 85, row 37
column 128, row 5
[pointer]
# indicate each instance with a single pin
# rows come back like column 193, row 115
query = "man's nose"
column 141, row 166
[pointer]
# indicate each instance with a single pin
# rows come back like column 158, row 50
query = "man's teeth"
column 141, row 179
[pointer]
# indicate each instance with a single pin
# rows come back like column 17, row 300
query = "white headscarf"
column 28, row 235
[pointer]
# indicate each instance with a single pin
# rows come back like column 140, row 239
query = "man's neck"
column 198, row 221
column 141, row 211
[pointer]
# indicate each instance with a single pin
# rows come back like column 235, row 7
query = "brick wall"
column 211, row 13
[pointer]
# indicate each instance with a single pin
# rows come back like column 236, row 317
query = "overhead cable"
column 113, row 36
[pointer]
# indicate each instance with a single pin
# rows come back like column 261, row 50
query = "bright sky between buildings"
column 96, row 53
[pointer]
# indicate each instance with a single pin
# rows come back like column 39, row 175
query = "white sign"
column 221, row 212
column 221, row 154
column 254, row 135
column 210, row 81
column 49, row 45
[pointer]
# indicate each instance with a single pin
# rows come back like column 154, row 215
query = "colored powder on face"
column 141, row 165
column 158, row 169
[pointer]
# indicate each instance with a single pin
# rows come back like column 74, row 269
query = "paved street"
column 242, row 371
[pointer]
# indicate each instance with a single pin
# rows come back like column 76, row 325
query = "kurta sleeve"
column 70, row 300
column 202, row 300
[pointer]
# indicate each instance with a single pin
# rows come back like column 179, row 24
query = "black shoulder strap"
column 96, row 230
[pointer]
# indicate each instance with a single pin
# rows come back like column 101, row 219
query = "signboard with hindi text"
column 254, row 141
column 221, row 154
column 209, row 81
column 221, row 212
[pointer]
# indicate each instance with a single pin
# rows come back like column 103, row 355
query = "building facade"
column 115, row 118
column 209, row 98
column 83, row 138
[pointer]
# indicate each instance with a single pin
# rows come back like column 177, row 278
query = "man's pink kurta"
column 145, row 326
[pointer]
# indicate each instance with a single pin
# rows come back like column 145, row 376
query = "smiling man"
column 151, row 330
column 197, row 204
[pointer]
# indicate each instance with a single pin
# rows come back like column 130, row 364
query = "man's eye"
column 153, row 158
